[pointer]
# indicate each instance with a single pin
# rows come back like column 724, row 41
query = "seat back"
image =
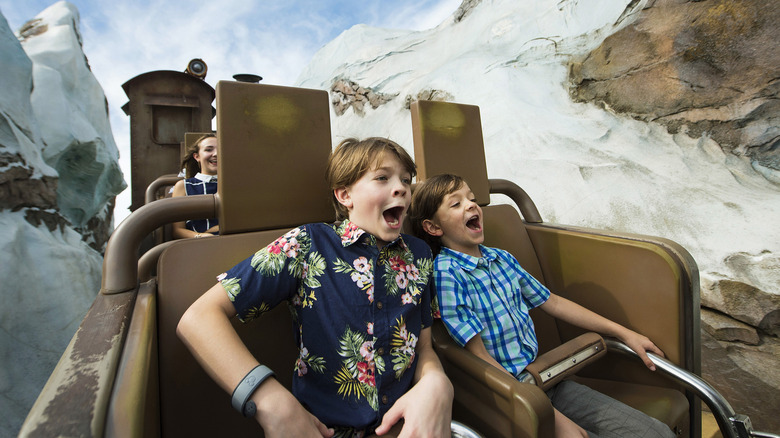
column 647, row 284
column 448, row 139
column 274, row 143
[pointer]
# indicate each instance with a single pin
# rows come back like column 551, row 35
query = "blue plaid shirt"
column 490, row 296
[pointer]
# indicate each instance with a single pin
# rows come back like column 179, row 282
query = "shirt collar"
column 205, row 178
column 469, row 262
column 350, row 233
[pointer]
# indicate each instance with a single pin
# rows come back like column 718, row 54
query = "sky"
column 275, row 39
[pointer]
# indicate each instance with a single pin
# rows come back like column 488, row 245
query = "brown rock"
column 706, row 67
column 746, row 376
column 725, row 328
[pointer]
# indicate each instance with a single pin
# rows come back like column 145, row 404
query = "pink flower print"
column 370, row 328
column 277, row 245
column 407, row 298
column 367, row 351
column 291, row 247
column 292, row 233
column 366, row 373
column 412, row 273
column 370, row 293
column 351, row 232
column 401, row 280
column 300, row 367
column 221, row 276
column 361, row 264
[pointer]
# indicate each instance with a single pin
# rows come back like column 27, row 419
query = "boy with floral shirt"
column 361, row 300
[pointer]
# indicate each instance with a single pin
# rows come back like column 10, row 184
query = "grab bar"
column 731, row 424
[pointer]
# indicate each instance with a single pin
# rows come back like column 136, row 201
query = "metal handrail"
column 731, row 424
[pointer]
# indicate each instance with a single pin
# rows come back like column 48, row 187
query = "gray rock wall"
column 58, row 178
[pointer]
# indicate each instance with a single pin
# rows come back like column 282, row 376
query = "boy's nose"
column 399, row 189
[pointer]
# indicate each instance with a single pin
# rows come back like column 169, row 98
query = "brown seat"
column 274, row 144
column 647, row 284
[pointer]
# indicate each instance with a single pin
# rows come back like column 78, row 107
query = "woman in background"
column 200, row 167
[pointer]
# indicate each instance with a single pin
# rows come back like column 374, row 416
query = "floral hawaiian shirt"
column 358, row 312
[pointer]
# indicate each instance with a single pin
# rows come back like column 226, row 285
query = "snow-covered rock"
column 73, row 113
column 582, row 165
column 58, row 176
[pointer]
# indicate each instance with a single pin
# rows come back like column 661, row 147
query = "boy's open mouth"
column 474, row 224
column 393, row 216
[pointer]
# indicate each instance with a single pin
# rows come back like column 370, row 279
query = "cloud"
column 275, row 39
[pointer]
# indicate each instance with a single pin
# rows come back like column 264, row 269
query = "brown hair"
column 189, row 163
column 426, row 200
column 352, row 158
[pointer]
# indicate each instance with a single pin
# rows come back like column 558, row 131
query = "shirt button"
column 381, row 351
column 379, row 305
column 384, row 399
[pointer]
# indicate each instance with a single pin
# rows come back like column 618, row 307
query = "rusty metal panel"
column 163, row 105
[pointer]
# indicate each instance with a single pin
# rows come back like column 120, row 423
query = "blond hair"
column 352, row 158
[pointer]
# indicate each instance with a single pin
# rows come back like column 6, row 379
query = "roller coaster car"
column 126, row 373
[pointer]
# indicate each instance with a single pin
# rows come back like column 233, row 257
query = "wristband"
column 247, row 387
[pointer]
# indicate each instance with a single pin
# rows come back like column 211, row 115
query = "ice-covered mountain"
column 586, row 164
column 58, row 177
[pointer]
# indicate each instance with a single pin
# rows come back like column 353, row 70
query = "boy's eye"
column 455, row 204
column 381, row 178
column 406, row 180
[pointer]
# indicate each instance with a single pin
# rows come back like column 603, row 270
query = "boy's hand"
column 426, row 409
column 281, row 415
column 641, row 345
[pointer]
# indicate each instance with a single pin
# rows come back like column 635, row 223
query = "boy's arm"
column 427, row 407
column 575, row 314
column 206, row 330
column 477, row 347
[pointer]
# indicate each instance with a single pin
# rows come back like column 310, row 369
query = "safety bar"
column 120, row 264
column 163, row 181
column 460, row 430
column 519, row 196
column 731, row 424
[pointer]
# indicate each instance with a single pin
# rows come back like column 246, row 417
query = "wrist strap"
column 247, row 387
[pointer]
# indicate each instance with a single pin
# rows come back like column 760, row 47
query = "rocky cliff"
column 58, row 177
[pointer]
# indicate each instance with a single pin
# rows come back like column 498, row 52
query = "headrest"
column 274, row 144
column 448, row 139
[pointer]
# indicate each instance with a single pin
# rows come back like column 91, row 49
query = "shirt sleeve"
column 456, row 307
column 263, row 280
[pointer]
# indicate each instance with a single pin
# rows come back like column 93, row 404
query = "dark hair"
column 189, row 163
column 352, row 158
column 426, row 200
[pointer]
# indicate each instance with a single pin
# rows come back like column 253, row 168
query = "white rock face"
column 582, row 165
column 76, row 131
column 58, row 170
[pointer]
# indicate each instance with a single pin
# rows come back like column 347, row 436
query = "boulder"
column 702, row 67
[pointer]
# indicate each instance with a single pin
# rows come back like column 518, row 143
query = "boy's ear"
column 343, row 196
column 431, row 228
